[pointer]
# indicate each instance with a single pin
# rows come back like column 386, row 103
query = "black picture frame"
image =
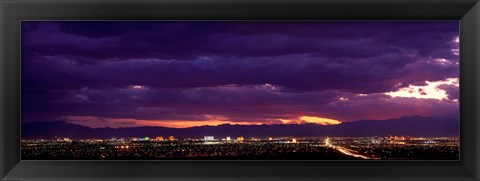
column 12, row 12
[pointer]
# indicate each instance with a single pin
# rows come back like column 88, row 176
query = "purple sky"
column 182, row 74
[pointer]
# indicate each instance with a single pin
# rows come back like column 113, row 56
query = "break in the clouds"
column 182, row 74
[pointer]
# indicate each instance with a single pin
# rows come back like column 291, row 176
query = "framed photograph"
column 239, row 90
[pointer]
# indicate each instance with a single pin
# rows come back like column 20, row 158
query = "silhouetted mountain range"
column 411, row 126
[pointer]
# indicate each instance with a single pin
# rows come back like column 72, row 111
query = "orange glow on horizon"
column 98, row 122
column 319, row 120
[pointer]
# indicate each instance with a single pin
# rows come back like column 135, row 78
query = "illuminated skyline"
column 184, row 74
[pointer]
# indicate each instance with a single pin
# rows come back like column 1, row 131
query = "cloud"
column 261, row 72
column 433, row 90
column 190, row 40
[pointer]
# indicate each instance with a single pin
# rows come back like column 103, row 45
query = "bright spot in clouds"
column 429, row 91
column 442, row 61
column 455, row 51
column 269, row 86
column 137, row 87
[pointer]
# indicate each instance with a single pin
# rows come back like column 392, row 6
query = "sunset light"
column 98, row 122
column 319, row 120
column 430, row 91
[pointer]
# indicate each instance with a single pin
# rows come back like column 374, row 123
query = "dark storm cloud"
column 293, row 72
column 241, row 70
column 188, row 40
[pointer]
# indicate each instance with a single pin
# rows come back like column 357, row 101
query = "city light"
column 208, row 138
column 342, row 148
